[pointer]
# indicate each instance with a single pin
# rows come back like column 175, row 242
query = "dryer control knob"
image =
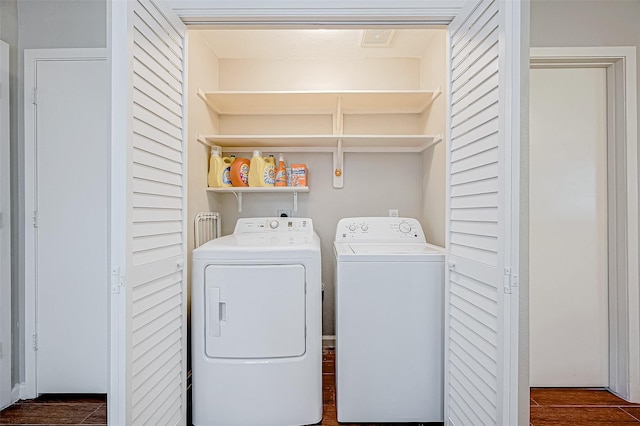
column 274, row 224
column 404, row 227
column 352, row 227
column 364, row 227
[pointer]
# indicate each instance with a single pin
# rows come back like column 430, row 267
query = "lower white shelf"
column 239, row 190
column 335, row 144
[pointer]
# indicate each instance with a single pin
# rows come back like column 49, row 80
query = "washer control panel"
column 379, row 229
column 274, row 225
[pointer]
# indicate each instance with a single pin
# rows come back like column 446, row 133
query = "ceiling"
column 313, row 43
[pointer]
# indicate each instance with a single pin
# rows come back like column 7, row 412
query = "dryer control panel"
column 379, row 229
column 274, row 225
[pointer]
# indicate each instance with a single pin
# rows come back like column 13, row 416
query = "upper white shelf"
column 320, row 102
column 322, row 143
column 409, row 103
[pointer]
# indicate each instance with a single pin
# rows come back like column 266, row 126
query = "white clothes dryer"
column 389, row 322
column 256, row 325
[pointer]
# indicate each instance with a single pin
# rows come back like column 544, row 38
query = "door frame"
column 327, row 13
column 622, row 201
column 31, row 58
column 6, row 396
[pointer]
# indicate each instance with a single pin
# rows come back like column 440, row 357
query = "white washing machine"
column 389, row 322
column 256, row 325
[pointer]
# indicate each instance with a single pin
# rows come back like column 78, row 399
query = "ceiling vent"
column 376, row 38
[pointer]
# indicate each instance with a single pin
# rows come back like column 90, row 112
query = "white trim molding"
column 5, row 232
column 328, row 12
column 624, row 285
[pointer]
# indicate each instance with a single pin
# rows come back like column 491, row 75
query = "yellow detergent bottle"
column 216, row 168
column 225, row 177
column 269, row 175
column 261, row 171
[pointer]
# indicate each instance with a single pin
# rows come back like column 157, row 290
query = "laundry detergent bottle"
column 240, row 172
column 261, row 170
column 225, row 177
column 216, row 168
column 281, row 172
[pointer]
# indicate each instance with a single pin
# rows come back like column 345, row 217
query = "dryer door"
column 255, row 311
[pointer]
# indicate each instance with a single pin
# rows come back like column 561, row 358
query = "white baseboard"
column 16, row 393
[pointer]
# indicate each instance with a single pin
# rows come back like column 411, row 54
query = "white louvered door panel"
column 154, row 324
column 479, row 335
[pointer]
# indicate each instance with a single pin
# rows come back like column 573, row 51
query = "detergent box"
column 299, row 175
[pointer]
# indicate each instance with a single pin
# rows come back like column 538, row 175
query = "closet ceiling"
column 314, row 43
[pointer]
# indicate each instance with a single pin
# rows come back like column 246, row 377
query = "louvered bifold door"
column 155, row 336
column 478, row 333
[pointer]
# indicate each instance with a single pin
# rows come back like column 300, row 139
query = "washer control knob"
column 364, row 227
column 404, row 227
column 274, row 224
column 352, row 227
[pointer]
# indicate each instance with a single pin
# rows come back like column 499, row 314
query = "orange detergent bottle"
column 240, row 172
column 281, row 172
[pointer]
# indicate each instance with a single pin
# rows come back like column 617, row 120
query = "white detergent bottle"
column 216, row 168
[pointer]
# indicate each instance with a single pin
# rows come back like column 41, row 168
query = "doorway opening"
column 622, row 202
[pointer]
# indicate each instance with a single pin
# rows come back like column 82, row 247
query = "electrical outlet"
column 284, row 213
column 393, row 213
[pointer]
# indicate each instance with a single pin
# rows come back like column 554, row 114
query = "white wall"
column 43, row 24
column 9, row 34
column 202, row 74
column 320, row 74
column 433, row 74
column 62, row 23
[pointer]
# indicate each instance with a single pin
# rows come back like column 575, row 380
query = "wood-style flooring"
column 583, row 407
column 552, row 406
column 54, row 409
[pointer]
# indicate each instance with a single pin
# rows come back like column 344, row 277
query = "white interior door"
column 67, row 218
column 149, row 336
column 481, row 337
column 568, row 223
column 5, row 233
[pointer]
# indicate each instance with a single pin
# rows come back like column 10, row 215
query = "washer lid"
column 382, row 248
column 388, row 252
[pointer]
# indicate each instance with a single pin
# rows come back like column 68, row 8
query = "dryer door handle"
column 212, row 311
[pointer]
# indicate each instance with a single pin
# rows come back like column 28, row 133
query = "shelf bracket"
column 238, row 195
column 434, row 96
column 239, row 198
column 338, row 166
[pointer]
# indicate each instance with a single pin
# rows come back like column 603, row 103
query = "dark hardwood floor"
column 584, row 407
column 54, row 409
column 550, row 406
